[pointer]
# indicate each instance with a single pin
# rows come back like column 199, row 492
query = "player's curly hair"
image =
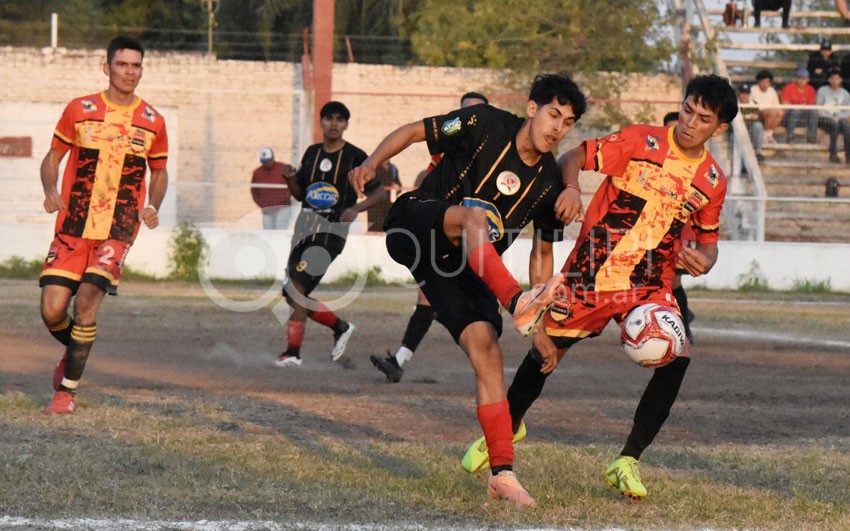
column 716, row 94
column 547, row 87
column 123, row 42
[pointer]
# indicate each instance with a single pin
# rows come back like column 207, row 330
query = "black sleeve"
column 457, row 130
column 302, row 176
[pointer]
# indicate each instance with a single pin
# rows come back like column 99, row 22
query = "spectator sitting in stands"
column 821, row 63
column 799, row 92
column 771, row 5
column 751, row 116
column 766, row 98
column 835, row 121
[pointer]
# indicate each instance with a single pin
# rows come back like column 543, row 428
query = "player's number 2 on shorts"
column 106, row 257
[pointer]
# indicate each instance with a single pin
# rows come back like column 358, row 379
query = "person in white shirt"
column 835, row 121
column 765, row 96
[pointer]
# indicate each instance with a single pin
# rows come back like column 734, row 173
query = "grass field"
column 183, row 423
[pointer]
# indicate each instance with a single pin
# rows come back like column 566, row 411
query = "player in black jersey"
column 423, row 315
column 328, row 206
column 496, row 176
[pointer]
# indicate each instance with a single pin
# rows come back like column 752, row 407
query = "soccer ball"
column 653, row 335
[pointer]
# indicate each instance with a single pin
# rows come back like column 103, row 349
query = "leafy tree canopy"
column 535, row 35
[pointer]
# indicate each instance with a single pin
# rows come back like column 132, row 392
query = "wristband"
column 153, row 207
column 574, row 187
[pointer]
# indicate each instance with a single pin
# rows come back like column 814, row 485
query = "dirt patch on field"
column 779, row 387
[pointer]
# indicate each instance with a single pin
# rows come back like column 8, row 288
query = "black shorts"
column 415, row 239
column 310, row 259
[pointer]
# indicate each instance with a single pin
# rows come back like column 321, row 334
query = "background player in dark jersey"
column 328, row 206
column 113, row 137
column 628, row 250
column 497, row 175
column 423, row 315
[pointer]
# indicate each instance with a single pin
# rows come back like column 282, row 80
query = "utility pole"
column 323, row 59
column 211, row 9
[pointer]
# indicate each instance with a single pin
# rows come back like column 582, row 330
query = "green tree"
column 536, row 35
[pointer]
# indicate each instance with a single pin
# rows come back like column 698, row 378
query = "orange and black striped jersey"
column 482, row 168
column 632, row 228
column 104, row 181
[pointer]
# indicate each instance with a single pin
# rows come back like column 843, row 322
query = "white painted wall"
column 245, row 253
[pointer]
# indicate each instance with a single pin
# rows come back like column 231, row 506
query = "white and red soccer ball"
column 653, row 335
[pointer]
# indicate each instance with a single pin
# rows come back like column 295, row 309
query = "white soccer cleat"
column 341, row 341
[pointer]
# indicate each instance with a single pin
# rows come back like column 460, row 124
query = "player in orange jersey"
column 113, row 138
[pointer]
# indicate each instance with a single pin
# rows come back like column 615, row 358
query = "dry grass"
column 169, row 457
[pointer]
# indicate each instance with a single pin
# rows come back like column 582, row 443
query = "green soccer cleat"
column 476, row 458
column 624, row 474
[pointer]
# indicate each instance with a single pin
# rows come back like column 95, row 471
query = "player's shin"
column 526, row 387
column 495, row 420
column 418, row 326
column 487, row 264
column 82, row 339
column 655, row 405
column 323, row 315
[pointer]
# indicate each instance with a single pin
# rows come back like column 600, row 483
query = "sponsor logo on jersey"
column 494, row 219
column 137, row 142
column 713, row 175
column 508, row 183
column 472, row 120
column 89, row 106
column 321, row 195
column 149, row 114
column 325, row 165
column 693, row 203
column 652, row 142
column 451, row 127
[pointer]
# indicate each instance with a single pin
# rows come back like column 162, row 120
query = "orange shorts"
column 586, row 313
column 73, row 260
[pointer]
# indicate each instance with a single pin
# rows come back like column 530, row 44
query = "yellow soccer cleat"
column 624, row 475
column 477, row 459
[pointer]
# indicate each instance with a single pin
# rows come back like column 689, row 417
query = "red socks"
column 488, row 265
column 323, row 315
column 495, row 419
column 295, row 333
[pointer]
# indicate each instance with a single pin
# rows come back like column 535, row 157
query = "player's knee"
column 53, row 315
column 475, row 219
column 53, row 311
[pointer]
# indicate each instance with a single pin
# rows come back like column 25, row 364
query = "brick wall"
column 221, row 112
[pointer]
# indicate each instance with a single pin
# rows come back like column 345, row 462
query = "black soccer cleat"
column 389, row 366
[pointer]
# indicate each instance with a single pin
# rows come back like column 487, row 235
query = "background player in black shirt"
column 328, row 205
column 496, row 176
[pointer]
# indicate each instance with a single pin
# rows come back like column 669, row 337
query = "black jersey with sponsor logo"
column 481, row 167
column 327, row 193
column 324, row 178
